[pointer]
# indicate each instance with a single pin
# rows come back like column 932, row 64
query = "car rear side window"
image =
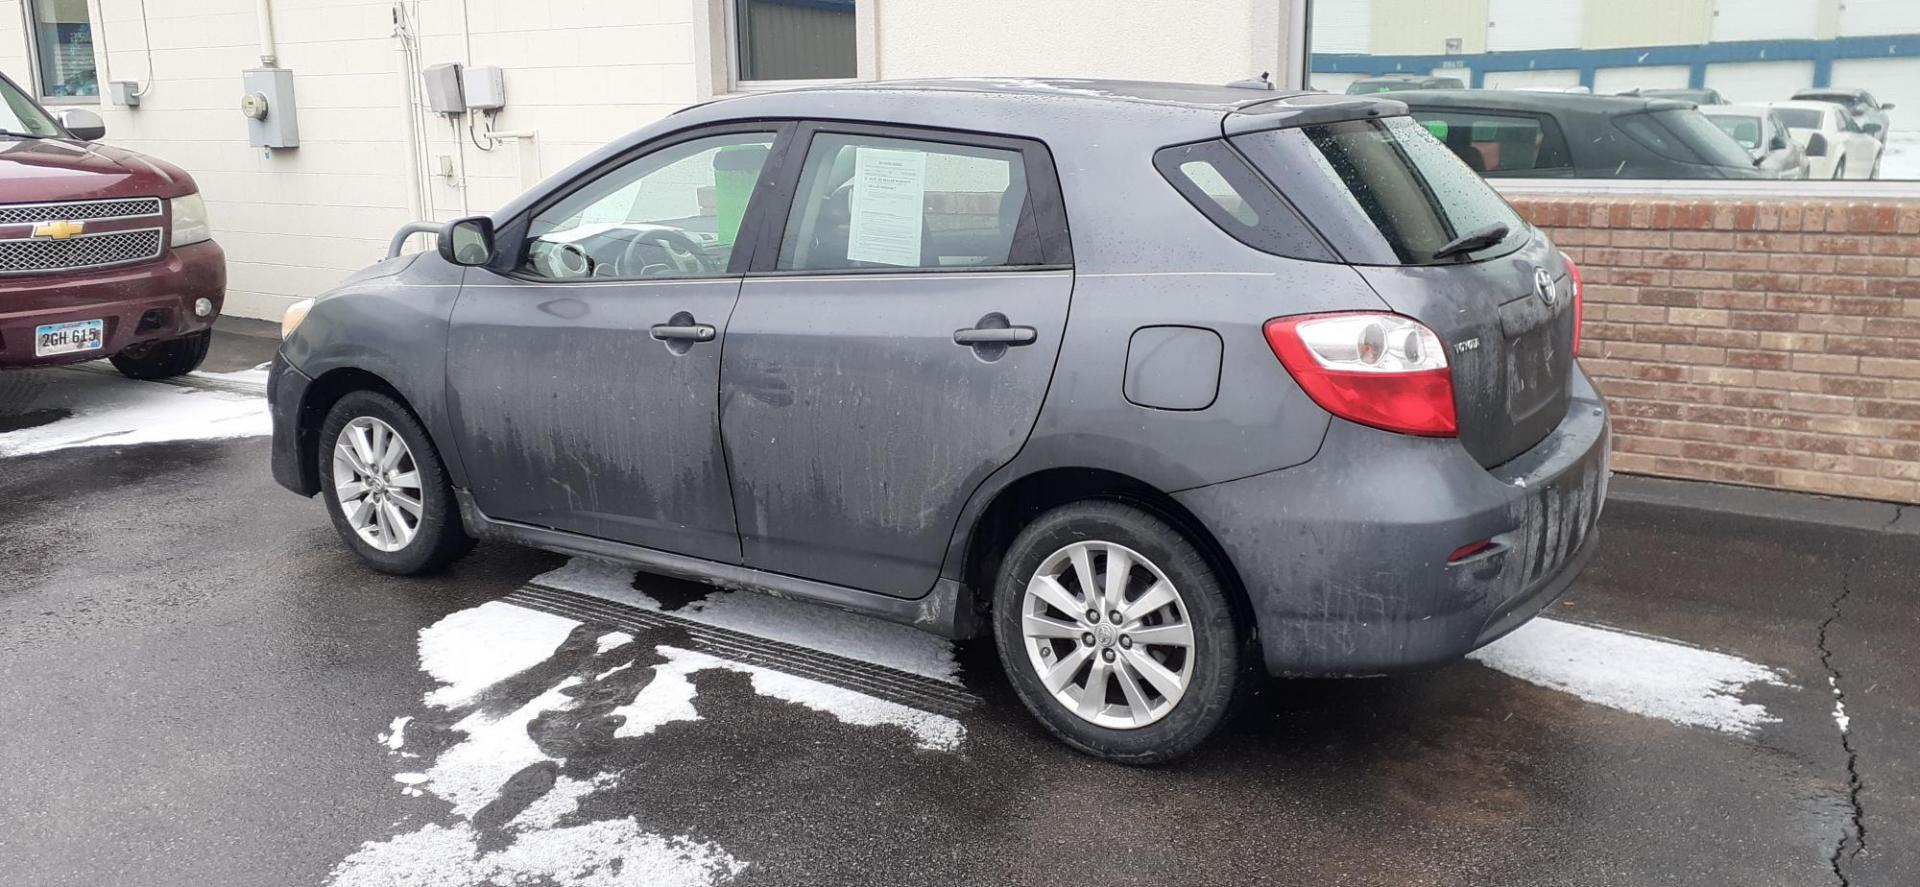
column 1382, row 192
column 1499, row 143
column 878, row 202
column 1212, row 177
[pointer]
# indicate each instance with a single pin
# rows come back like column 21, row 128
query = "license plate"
column 67, row 338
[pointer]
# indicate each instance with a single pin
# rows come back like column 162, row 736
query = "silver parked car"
column 1764, row 135
column 1160, row 385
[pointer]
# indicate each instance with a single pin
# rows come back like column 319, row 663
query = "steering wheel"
column 566, row 261
column 686, row 254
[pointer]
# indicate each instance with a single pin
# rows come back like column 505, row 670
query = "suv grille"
column 29, row 213
column 85, row 251
column 28, row 255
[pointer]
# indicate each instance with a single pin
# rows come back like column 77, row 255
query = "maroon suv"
column 103, row 252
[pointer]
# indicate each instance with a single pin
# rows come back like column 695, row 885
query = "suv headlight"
column 190, row 220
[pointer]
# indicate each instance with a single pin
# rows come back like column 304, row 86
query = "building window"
column 1641, row 90
column 781, row 40
column 63, row 49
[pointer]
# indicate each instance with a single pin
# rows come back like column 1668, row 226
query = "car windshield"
column 1694, row 130
column 1745, row 130
column 18, row 114
column 1799, row 118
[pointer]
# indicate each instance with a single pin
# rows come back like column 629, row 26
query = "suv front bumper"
column 1345, row 559
column 160, row 292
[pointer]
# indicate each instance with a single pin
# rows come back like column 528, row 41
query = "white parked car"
column 1760, row 130
column 1837, row 146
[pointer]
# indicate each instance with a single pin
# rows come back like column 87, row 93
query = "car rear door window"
column 876, row 202
column 1499, row 143
column 675, row 212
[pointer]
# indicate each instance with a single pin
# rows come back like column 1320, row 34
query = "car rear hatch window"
column 1684, row 135
column 1390, row 198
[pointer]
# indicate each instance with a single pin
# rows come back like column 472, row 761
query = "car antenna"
column 1264, row 81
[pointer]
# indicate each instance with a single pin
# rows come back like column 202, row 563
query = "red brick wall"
column 1770, row 343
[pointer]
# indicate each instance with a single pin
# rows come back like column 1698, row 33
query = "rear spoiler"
column 1308, row 109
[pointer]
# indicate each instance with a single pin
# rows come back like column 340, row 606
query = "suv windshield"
column 19, row 115
column 1383, row 192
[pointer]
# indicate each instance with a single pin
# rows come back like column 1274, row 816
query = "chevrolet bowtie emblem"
column 59, row 230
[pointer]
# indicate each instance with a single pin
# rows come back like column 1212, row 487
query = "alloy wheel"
column 1108, row 634
column 377, row 484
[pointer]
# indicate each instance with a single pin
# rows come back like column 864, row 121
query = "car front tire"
column 386, row 488
column 164, row 360
column 1146, row 687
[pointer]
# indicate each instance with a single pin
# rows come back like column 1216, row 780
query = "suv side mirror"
column 83, row 124
column 1816, row 145
column 1886, row 106
column 1872, row 129
column 468, row 241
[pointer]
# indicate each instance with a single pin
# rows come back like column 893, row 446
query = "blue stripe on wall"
column 1697, row 57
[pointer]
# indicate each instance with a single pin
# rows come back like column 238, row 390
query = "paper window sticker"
column 887, row 206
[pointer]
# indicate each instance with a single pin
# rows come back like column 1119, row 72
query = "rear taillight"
column 1376, row 369
column 1579, row 302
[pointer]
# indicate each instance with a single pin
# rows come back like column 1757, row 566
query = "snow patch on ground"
column 1901, row 162
column 1644, row 675
column 612, row 853
column 669, row 698
column 795, row 622
column 110, row 410
column 474, row 649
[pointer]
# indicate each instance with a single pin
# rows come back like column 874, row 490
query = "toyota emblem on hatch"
column 1543, row 284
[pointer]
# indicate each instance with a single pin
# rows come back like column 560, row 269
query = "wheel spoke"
column 362, row 445
column 406, row 480
column 1119, row 567
column 397, row 530
column 1083, row 569
column 1094, row 697
column 1168, row 683
column 1158, row 595
column 408, row 503
column 1061, row 673
column 350, row 491
column 1178, row 634
column 1049, row 589
column 358, row 512
column 1045, row 627
column 344, row 452
column 396, row 450
column 376, row 523
column 1130, row 687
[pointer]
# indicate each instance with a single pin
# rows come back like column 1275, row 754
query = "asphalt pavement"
column 200, row 686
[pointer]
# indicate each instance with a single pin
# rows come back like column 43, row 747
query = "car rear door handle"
column 1013, row 335
column 691, row 332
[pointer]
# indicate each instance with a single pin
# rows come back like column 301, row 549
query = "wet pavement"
column 199, row 685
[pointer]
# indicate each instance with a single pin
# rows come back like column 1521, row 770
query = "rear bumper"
column 1345, row 559
column 286, row 393
column 161, row 293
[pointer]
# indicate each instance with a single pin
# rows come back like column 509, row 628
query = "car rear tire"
column 164, row 360
column 386, row 488
column 1170, row 670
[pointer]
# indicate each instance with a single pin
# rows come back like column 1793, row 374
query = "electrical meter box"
column 443, row 89
column 485, row 87
column 272, row 119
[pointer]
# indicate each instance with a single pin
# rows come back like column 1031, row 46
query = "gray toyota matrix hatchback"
column 1161, row 385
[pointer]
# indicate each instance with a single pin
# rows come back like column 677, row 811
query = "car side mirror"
column 83, row 124
column 468, row 241
column 1870, row 128
column 1816, row 145
column 1779, row 143
column 1886, row 106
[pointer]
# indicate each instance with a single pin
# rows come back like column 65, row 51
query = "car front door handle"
column 1012, row 335
column 688, row 332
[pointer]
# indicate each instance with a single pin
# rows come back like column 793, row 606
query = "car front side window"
column 675, row 212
